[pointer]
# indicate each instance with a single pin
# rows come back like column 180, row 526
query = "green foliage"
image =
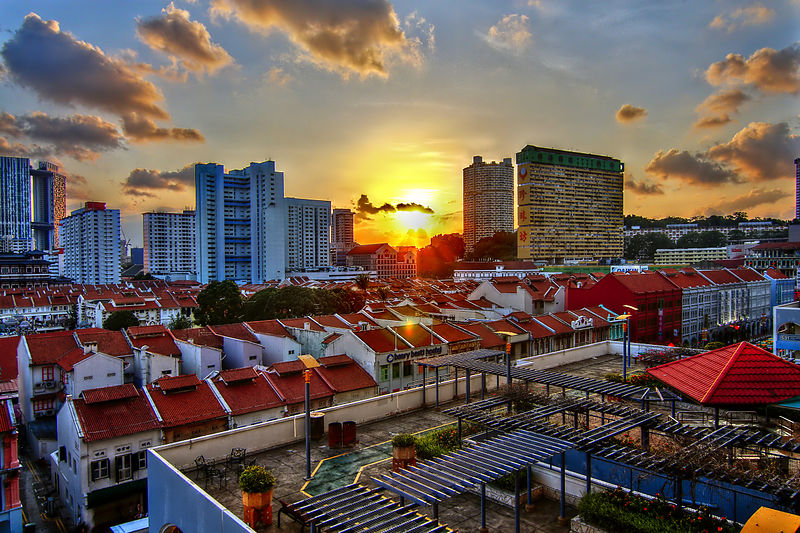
column 293, row 301
column 704, row 239
column 72, row 317
column 143, row 276
column 219, row 303
column 120, row 320
column 502, row 245
column 507, row 482
column 613, row 377
column 618, row 510
column 403, row 440
column 180, row 321
column 643, row 380
column 363, row 281
column 437, row 443
column 642, row 248
column 714, row 345
column 437, row 260
column 256, row 478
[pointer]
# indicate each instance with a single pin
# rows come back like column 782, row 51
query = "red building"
column 657, row 318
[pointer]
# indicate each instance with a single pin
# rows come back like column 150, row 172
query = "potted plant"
column 257, row 484
column 403, row 451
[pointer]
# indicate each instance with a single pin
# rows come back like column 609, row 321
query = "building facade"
column 170, row 242
column 342, row 235
column 570, row 205
column 688, row 256
column 49, row 187
column 241, row 223
column 90, row 237
column 15, row 203
column 308, row 226
column 488, row 200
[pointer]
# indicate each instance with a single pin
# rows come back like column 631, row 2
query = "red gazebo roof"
column 739, row 374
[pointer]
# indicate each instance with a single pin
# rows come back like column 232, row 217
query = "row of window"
column 124, row 466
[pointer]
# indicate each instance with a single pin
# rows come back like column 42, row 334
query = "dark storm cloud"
column 365, row 208
column 146, row 182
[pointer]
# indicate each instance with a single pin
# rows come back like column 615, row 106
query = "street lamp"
column 626, row 318
column 309, row 362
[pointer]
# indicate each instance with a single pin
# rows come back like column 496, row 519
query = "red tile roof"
column 355, row 318
column 185, row 406
column 157, row 339
column 284, row 368
column 235, row 375
column 234, row 331
column 6, row 423
column 48, row 348
column 451, row 333
column 686, row 279
column 381, row 340
column 747, row 274
column 301, row 323
column 109, row 394
column 109, row 342
column 201, row 336
column 642, row 282
column 739, row 374
column 330, row 338
column 417, row 335
column 344, row 375
column 489, row 339
column 505, row 326
column 774, row 273
column 720, row 276
column 8, row 357
column 246, row 396
column 331, row 321
column 72, row 358
column 292, row 386
column 125, row 414
column 367, row 248
column 536, row 329
column 173, row 383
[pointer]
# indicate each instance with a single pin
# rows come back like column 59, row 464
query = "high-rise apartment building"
column 797, row 188
column 170, row 242
column 49, row 187
column 570, row 205
column 90, row 238
column 488, row 200
column 308, row 227
column 342, row 235
column 15, row 203
column 240, row 223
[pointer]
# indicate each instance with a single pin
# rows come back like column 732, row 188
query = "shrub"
column 618, row 510
column 402, row 440
column 613, row 377
column 643, row 380
column 256, row 478
column 522, row 398
column 429, row 449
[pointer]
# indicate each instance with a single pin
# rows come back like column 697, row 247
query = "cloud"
column 696, row 169
column 344, row 36
column 78, row 188
column 749, row 200
column 748, row 16
column 64, row 70
column 277, row 76
column 21, row 150
column 769, row 70
column 510, row 33
column 149, row 183
column 142, row 129
column 365, row 208
column 718, row 107
column 413, row 206
column 182, row 39
column 81, row 137
column 628, row 114
column 644, row 188
column 761, row 151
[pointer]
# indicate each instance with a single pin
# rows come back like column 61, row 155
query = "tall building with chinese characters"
column 488, row 200
column 570, row 206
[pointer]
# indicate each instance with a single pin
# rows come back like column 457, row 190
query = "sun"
column 413, row 219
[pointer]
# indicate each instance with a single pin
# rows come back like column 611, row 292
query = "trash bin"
column 349, row 433
column 335, row 435
column 317, row 424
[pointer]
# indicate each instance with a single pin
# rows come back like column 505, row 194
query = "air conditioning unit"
column 50, row 384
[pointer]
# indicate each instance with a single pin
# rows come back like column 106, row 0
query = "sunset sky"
column 368, row 103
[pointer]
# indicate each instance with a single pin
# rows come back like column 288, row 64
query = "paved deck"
column 372, row 457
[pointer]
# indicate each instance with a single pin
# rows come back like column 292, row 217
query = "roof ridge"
column 721, row 376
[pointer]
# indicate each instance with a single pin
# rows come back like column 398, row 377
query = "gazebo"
column 739, row 375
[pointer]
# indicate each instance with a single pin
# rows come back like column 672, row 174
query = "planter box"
column 577, row 525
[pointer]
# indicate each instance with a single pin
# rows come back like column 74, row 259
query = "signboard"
column 410, row 354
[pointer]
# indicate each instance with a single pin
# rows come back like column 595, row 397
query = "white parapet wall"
column 582, row 353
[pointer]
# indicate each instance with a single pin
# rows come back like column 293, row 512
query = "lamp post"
column 625, row 324
column 628, row 322
column 309, row 362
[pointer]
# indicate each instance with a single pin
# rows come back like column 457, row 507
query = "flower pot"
column 257, row 500
column 404, row 453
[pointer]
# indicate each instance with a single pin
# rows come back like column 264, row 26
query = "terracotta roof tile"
column 109, row 342
column 235, row 331
column 292, row 386
column 489, row 339
column 48, row 348
column 202, row 336
column 344, row 376
column 8, row 357
column 301, row 323
column 125, row 415
column 381, row 340
column 185, row 406
column 248, row 395
column 451, row 333
column 108, row 394
column 417, row 335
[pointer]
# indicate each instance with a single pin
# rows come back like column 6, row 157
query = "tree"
column 219, row 303
column 502, row 245
column 180, row 321
column 642, row 248
column 143, row 276
column 120, row 320
column 293, row 302
column 72, row 317
column 437, row 260
column 362, row 281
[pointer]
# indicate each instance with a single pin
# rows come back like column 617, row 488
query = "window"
column 122, row 467
column 140, row 460
column 87, row 378
column 384, row 372
column 407, row 368
column 47, row 373
column 395, row 370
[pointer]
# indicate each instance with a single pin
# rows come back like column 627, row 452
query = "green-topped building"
column 570, row 206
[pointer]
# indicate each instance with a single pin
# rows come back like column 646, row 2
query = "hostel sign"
column 410, row 354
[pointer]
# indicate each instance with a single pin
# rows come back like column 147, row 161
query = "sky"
column 378, row 106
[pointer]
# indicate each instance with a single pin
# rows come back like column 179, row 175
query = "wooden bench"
column 289, row 510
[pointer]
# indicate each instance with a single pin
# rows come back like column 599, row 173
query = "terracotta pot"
column 257, row 500
column 405, row 453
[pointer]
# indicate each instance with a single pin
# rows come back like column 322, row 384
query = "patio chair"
column 236, row 459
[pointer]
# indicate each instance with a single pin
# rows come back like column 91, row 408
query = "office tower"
column 169, row 242
column 240, row 223
column 90, row 238
column 488, row 200
column 49, row 187
column 570, row 205
column 15, row 203
column 342, row 238
column 308, row 227
column 797, row 188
